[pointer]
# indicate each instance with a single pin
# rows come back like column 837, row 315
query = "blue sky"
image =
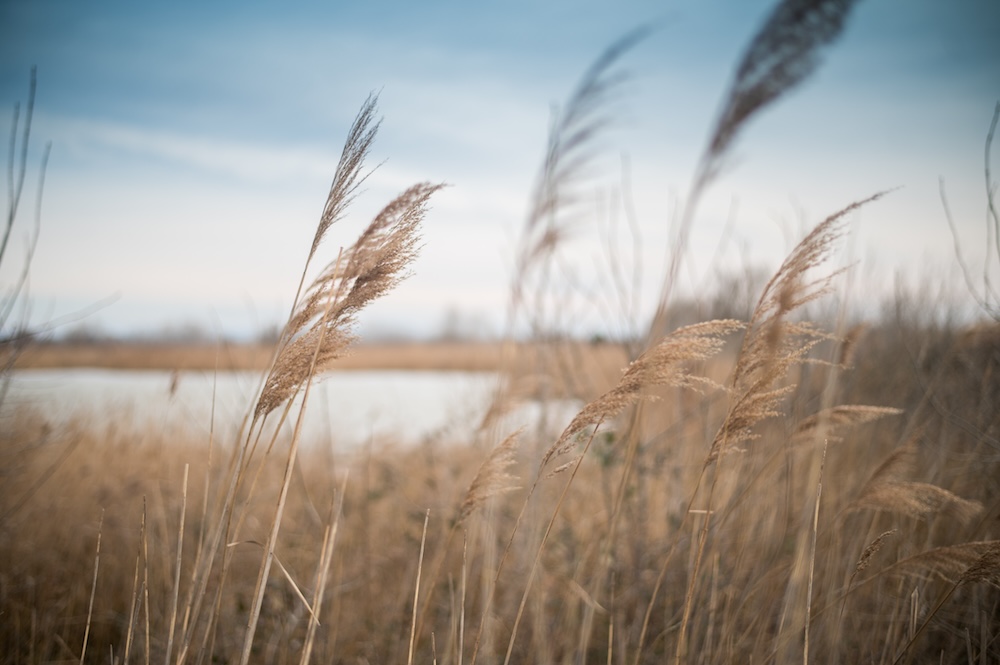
column 193, row 144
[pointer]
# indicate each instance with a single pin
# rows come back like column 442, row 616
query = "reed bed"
column 764, row 490
column 907, row 519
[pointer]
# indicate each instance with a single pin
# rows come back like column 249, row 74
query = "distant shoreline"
column 571, row 368
column 448, row 356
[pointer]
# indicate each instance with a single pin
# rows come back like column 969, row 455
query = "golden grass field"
column 786, row 488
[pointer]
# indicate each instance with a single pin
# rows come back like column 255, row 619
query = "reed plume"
column 492, row 478
column 870, row 551
column 343, row 190
column 367, row 270
column 570, row 152
column 986, row 568
column 773, row 343
column 957, row 564
column 783, row 53
column 568, row 161
column 662, row 365
column 837, row 418
column 915, row 499
column 348, row 176
column 890, row 489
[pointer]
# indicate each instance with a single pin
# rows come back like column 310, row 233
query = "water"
column 345, row 410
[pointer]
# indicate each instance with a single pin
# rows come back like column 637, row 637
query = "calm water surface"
column 345, row 408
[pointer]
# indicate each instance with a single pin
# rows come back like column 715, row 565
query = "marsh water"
column 345, row 409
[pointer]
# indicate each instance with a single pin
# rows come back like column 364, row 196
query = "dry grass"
column 50, row 531
column 58, row 484
column 764, row 491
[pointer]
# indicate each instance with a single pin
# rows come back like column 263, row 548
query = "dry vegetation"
column 761, row 491
column 450, row 356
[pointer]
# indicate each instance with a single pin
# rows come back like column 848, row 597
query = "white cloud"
column 249, row 161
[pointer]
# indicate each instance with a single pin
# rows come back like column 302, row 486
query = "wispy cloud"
column 249, row 161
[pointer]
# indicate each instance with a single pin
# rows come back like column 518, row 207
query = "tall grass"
column 768, row 490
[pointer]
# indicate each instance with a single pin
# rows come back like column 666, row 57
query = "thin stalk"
column 322, row 573
column 93, row 588
column 812, row 557
column 461, row 616
column 416, row 589
column 145, row 581
column 177, row 570
column 135, row 604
